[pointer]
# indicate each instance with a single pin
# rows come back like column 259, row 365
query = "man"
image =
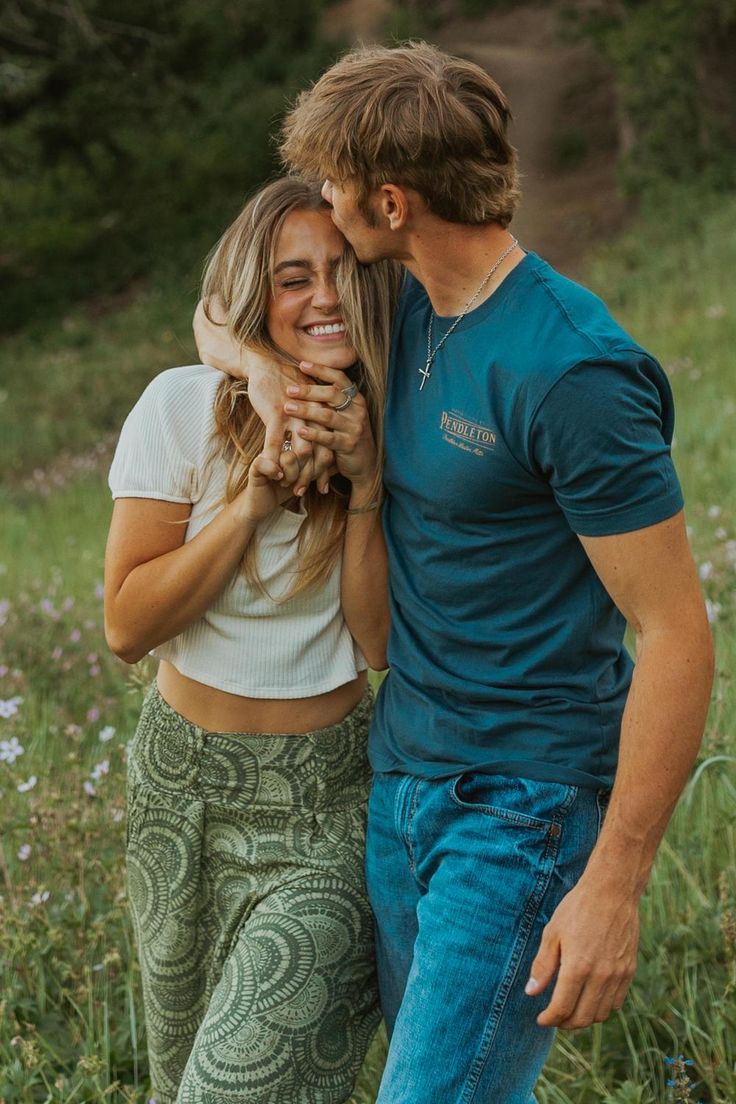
column 531, row 509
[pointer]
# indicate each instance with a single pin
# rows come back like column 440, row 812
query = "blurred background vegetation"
column 130, row 130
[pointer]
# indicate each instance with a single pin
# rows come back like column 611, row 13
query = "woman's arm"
column 267, row 382
column 155, row 583
column 364, row 564
column 365, row 579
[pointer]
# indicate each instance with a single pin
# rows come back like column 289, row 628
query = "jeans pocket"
column 524, row 801
column 602, row 798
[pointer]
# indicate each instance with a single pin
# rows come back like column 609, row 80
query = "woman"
column 248, row 773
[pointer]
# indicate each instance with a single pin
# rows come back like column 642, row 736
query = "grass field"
column 70, row 1024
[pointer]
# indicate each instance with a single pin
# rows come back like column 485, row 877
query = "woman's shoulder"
column 186, row 383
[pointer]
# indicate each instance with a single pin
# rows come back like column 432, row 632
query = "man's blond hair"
column 414, row 116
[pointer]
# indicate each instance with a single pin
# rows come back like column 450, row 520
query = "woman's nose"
column 325, row 295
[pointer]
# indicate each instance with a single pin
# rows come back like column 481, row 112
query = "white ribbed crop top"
column 245, row 643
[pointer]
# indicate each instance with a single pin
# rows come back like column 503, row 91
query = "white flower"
column 100, row 770
column 117, row 815
column 713, row 610
column 24, row 852
column 714, row 512
column 9, row 706
column 715, row 310
column 89, row 788
column 106, row 734
column 10, row 750
column 40, row 898
column 731, row 551
column 720, row 533
column 24, row 787
column 705, row 571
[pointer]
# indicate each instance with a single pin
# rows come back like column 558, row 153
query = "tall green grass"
column 70, row 1021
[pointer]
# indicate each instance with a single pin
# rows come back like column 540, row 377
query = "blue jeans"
column 463, row 874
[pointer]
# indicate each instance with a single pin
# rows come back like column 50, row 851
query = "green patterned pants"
column 254, row 932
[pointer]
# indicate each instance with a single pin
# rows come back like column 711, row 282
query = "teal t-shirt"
column 542, row 419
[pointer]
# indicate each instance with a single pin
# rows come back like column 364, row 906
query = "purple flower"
column 93, row 714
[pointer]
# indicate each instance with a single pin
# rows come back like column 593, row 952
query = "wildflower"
column 106, row 734
column 93, row 714
column 3, row 666
column 89, row 788
column 40, row 898
column 24, row 852
column 715, row 310
column 100, row 770
column 713, row 610
column 99, row 590
column 72, row 730
column 10, row 750
column 680, row 1084
column 714, row 512
column 75, row 636
column 4, row 610
column 721, row 533
column 57, row 653
column 67, row 604
column 48, row 607
column 94, row 671
column 117, row 815
column 24, row 787
column 9, row 706
column 92, row 657
column 705, row 571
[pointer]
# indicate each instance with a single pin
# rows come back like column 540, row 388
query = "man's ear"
column 394, row 205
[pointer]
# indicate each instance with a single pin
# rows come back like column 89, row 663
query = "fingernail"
column 290, row 408
column 279, row 475
column 306, row 364
column 302, row 491
column 531, row 987
column 292, row 390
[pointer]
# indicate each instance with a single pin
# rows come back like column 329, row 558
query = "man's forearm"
column 660, row 736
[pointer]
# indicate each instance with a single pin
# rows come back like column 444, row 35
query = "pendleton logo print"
column 465, row 434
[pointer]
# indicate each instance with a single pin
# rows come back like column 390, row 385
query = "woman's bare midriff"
column 217, row 711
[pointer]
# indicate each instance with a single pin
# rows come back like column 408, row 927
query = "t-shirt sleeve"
column 601, row 439
column 163, row 444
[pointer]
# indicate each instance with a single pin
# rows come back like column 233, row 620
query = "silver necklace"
column 426, row 371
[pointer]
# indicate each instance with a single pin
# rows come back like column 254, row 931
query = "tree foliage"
column 674, row 62
column 130, row 130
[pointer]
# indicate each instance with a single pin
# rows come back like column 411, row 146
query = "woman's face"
column 303, row 317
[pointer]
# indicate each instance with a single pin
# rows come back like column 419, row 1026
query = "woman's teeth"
column 318, row 331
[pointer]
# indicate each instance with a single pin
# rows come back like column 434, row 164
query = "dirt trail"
column 564, row 118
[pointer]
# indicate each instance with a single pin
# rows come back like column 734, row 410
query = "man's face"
column 363, row 229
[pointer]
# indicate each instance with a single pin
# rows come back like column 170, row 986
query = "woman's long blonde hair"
column 239, row 273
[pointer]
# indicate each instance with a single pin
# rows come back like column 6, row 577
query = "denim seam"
column 402, row 816
column 525, row 928
column 409, row 825
column 521, row 819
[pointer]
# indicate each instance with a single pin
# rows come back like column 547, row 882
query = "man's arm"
column 592, row 937
column 267, row 383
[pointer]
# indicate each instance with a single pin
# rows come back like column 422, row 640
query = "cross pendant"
column 425, row 373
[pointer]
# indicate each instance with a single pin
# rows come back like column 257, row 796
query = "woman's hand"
column 269, row 485
column 267, row 382
column 347, row 433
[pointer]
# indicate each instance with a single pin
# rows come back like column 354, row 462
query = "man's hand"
column 267, row 383
column 592, row 940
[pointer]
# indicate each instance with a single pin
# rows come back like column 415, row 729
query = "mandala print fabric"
column 254, row 933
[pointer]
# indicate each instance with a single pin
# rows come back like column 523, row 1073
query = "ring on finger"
column 348, row 401
column 287, row 446
column 351, row 391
